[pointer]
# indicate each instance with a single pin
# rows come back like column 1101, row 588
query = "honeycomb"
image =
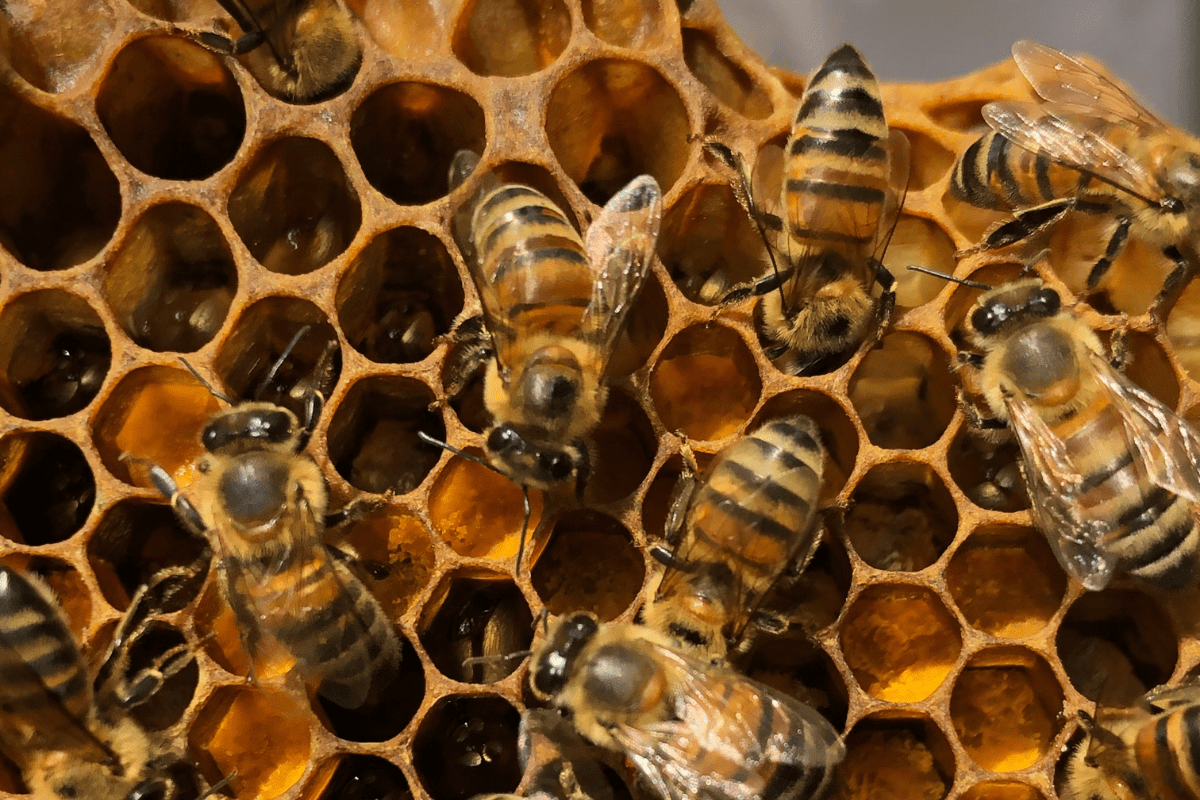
column 156, row 201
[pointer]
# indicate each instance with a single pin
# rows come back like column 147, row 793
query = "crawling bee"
column 555, row 762
column 1090, row 147
column 300, row 51
column 73, row 740
column 844, row 178
column 261, row 502
column 1139, row 753
column 734, row 531
column 553, row 307
column 693, row 729
column 1111, row 472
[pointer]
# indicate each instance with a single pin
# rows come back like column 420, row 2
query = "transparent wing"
column 1166, row 698
column 1169, row 447
column 1074, row 138
column 1059, row 78
column 1054, row 485
column 620, row 245
column 729, row 738
column 899, row 167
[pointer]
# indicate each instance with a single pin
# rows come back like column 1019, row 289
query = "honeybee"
column 553, row 307
column 1090, row 147
column 734, row 531
column 73, row 741
column 1111, row 472
column 300, row 51
column 554, row 761
column 844, row 176
column 694, row 730
column 1139, row 753
column 261, row 501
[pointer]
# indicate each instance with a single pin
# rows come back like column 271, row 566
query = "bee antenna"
column 952, row 279
column 222, row 397
column 543, row 619
column 279, row 362
column 499, row 657
column 218, row 786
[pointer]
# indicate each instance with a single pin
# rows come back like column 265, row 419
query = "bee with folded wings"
column 554, row 305
column 1111, row 472
column 1090, row 147
column 845, row 175
column 1139, row 753
column 693, row 730
column 261, row 501
column 73, row 740
column 734, row 532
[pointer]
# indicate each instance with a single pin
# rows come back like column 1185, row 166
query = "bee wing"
column 730, row 738
column 1072, row 137
column 620, row 245
column 1166, row 698
column 1169, row 447
column 1053, row 483
column 1059, row 78
column 899, row 167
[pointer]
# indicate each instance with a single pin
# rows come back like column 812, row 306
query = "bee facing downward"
column 693, row 730
column 734, row 531
column 71, row 740
column 300, row 51
column 1111, row 472
column 844, row 175
column 1090, row 147
column 261, row 502
column 553, row 306
column 1140, row 753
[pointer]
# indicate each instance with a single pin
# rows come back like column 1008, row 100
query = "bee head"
column 1021, row 302
column 556, row 661
column 250, row 426
column 540, row 464
column 1182, row 181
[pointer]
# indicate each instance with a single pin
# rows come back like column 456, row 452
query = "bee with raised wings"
column 300, row 51
column 733, row 532
column 73, row 740
column 261, row 501
column 694, row 730
column 1139, row 753
column 845, row 175
column 1090, row 147
column 554, row 305
column 1111, row 472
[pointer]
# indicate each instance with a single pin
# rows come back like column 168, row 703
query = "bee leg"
column 887, row 304
column 570, row 784
column 143, row 684
column 1025, row 224
column 1116, row 243
column 1171, row 287
column 975, row 417
column 357, row 509
column 1118, row 346
column 183, row 508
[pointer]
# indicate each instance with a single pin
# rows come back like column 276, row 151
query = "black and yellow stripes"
column 40, row 664
column 534, row 259
column 1168, row 752
column 996, row 174
column 837, row 153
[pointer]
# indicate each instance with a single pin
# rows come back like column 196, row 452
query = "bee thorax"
column 1041, row 360
column 622, row 678
column 255, row 488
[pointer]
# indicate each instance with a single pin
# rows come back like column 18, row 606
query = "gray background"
column 1151, row 44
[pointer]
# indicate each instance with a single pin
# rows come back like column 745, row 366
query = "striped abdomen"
column 40, row 663
column 1152, row 534
column 535, row 260
column 996, row 174
column 837, row 154
column 334, row 627
column 1168, row 753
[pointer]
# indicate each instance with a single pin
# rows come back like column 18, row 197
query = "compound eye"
column 211, row 438
column 557, row 466
column 987, row 320
column 503, row 440
column 150, row 789
column 1045, row 303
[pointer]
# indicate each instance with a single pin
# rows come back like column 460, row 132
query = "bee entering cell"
column 592, row 562
column 467, row 746
column 1115, row 645
column 55, row 355
column 897, row 756
column 399, row 294
column 480, row 621
column 1006, row 707
column 47, row 488
column 373, row 439
column 901, row 517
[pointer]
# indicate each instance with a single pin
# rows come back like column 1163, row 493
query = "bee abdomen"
column 1168, row 752
column 40, row 660
column 996, row 174
column 1158, row 541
